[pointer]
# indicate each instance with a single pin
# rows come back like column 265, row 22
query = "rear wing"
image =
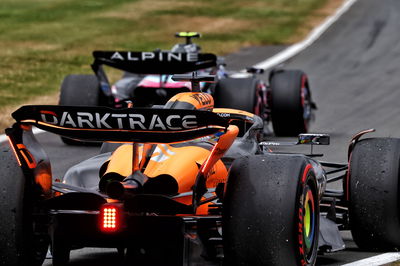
column 144, row 125
column 158, row 62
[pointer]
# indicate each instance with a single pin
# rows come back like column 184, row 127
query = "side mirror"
column 314, row 139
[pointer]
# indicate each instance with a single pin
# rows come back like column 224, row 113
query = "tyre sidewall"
column 374, row 194
column 236, row 93
column 287, row 103
column 17, row 244
column 261, row 218
column 80, row 90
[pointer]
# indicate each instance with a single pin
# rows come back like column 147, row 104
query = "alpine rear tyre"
column 79, row 90
column 290, row 102
column 236, row 93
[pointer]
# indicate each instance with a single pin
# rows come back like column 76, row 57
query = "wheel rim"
column 308, row 218
column 309, row 223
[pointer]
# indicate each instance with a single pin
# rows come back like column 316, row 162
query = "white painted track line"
column 294, row 49
column 3, row 138
column 377, row 260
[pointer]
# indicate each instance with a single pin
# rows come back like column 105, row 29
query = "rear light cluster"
column 110, row 218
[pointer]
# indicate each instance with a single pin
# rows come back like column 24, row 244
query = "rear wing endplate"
column 145, row 125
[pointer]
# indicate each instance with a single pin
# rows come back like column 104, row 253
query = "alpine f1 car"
column 285, row 101
column 190, row 183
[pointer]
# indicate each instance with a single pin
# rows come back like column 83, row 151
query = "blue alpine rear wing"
column 158, row 62
column 145, row 125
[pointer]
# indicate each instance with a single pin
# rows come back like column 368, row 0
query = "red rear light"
column 110, row 218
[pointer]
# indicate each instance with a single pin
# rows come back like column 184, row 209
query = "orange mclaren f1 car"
column 189, row 184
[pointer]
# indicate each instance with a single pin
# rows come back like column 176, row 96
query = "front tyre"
column 271, row 212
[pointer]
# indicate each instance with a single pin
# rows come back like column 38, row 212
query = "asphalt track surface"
column 354, row 71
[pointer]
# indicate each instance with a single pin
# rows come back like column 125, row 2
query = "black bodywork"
column 140, row 63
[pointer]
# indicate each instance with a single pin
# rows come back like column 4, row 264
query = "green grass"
column 43, row 40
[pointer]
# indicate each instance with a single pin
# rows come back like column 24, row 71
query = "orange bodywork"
column 232, row 111
column 182, row 161
column 200, row 100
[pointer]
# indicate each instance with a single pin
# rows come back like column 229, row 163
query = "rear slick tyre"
column 290, row 102
column 20, row 243
column 79, row 90
column 271, row 212
column 236, row 93
column 61, row 252
column 374, row 194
